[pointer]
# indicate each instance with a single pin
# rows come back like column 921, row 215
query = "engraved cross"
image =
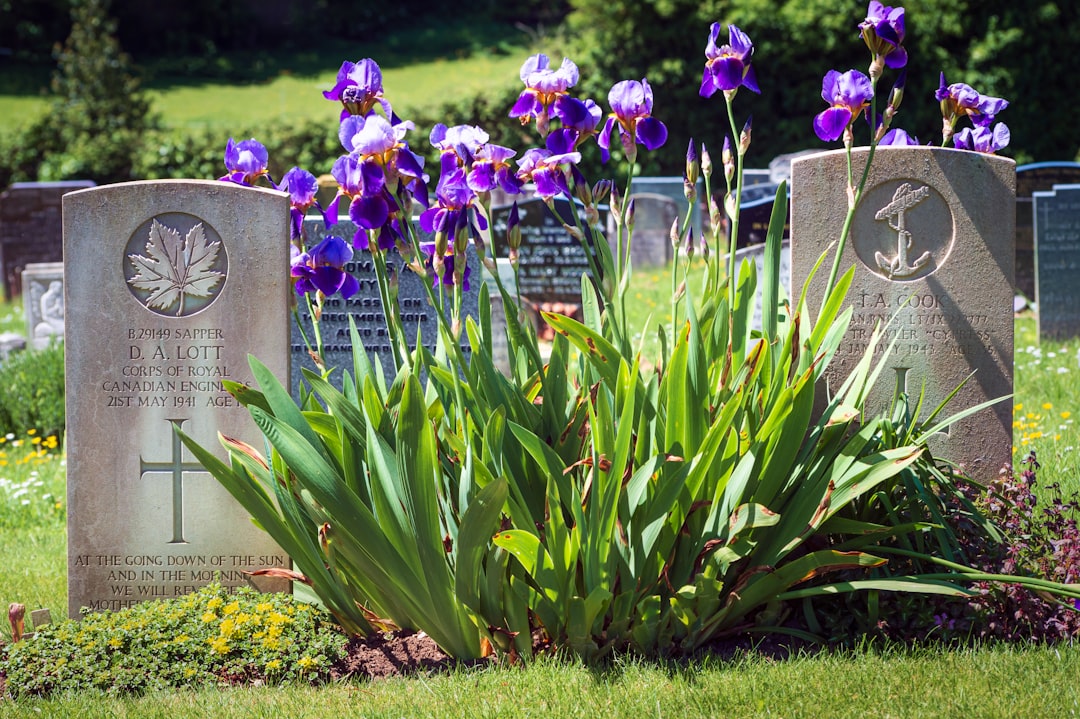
column 177, row 468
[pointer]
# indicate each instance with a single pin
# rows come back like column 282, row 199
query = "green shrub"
column 210, row 636
column 32, row 387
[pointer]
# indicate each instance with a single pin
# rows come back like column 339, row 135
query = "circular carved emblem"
column 175, row 264
column 903, row 230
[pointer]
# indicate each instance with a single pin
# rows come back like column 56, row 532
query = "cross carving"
column 177, row 467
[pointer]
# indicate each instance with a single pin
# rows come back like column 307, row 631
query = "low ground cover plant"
column 209, row 637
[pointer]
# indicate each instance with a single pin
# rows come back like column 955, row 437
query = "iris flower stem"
column 858, row 192
column 626, row 267
column 733, row 235
column 675, row 302
column 393, row 322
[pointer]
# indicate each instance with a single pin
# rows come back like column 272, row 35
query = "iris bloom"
column 450, row 213
column 959, row 99
column 897, row 138
column 301, row 186
column 582, row 117
column 727, row 67
column 491, row 168
column 631, row 104
column 982, row 139
column 246, row 161
column 448, row 262
column 358, row 88
column 543, row 86
column 363, row 183
column 549, row 168
column 883, row 32
column 322, row 269
column 848, row 94
column 376, row 140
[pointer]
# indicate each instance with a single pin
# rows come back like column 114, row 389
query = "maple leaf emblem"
column 175, row 267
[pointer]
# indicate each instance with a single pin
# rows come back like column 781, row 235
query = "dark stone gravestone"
column 1057, row 261
column 755, row 211
column 1036, row 177
column 366, row 310
column 169, row 285
column 932, row 243
column 31, row 228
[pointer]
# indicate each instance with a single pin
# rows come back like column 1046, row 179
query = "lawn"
column 433, row 65
column 884, row 681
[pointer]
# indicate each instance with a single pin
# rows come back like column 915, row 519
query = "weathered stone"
column 1057, row 261
column 169, row 285
column 1037, row 177
column 932, row 247
column 43, row 301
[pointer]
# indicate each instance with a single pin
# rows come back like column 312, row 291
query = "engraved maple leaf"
column 175, row 267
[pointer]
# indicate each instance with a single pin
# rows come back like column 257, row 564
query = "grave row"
column 932, row 247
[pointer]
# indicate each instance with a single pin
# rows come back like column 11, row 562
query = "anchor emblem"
column 903, row 200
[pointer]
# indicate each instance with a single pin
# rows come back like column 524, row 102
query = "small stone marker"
column 671, row 188
column 168, row 286
column 756, row 254
column 366, row 310
column 1036, row 177
column 30, row 227
column 43, row 301
column 932, row 242
column 1057, row 261
column 654, row 214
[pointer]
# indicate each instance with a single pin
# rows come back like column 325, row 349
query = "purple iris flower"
column 448, row 262
column 543, row 86
column 960, row 99
column 727, row 67
column 491, row 168
column 897, row 138
column 381, row 141
column 322, row 269
column 246, row 161
column 982, row 139
column 631, row 104
column 450, row 214
column 582, row 117
column 549, row 168
column 301, row 186
column 883, row 32
column 457, row 145
column 358, row 87
column 364, row 184
column 848, row 94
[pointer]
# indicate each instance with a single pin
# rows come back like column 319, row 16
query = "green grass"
column 429, row 66
column 987, row 682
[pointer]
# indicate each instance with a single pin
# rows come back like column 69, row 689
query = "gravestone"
column 671, row 188
column 43, row 302
column 1057, row 261
column 932, row 243
column 30, row 227
column 366, row 310
column 651, row 243
column 756, row 254
column 1036, row 177
column 550, row 261
column 755, row 212
column 169, row 285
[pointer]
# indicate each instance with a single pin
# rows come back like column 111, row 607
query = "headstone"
column 10, row 342
column 1037, row 177
column 43, row 301
column 30, row 227
column 932, row 243
column 756, row 254
column 550, row 261
column 169, row 285
column 1057, row 261
column 755, row 212
column 753, row 177
column 671, row 188
column 366, row 310
column 654, row 214
column 780, row 166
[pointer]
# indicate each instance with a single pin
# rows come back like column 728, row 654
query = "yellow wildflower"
column 209, row 617
column 214, row 603
column 231, row 608
column 306, row 662
column 219, row 644
column 273, row 664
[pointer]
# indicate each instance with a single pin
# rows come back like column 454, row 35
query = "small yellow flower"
column 1066, row 414
column 214, row 603
column 306, row 662
column 219, row 644
column 31, row 432
column 263, row 607
column 1017, row 407
column 273, row 664
column 228, row 626
column 115, row 642
column 231, row 608
column 209, row 617
column 1047, row 406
